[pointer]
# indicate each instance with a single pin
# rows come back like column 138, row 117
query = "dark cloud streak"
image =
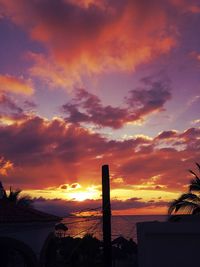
column 143, row 101
column 63, row 207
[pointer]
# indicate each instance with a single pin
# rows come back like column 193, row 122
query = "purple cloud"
column 88, row 108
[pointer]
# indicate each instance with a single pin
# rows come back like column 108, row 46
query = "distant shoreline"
column 98, row 216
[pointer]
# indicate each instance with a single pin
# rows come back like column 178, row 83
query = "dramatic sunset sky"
column 91, row 82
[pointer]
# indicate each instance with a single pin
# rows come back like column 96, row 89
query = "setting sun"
column 81, row 195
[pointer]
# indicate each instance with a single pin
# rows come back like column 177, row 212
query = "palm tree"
column 188, row 203
column 14, row 197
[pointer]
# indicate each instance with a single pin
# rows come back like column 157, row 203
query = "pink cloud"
column 187, row 6
column 84, row 37
column 15, row 85
column 51, row 153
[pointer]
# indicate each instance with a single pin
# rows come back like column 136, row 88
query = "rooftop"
column 12, row 213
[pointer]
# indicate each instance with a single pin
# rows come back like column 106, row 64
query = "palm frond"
column 195, row 185
column 183, row 207
column 198, row 166
column 189, row 197
column 188, row 203
column 13, row 195
column 193, row 173
column 189, row 207
column 174, row 205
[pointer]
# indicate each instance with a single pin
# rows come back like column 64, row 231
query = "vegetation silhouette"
column 77, row 252
column 14, row 196
column 188, row 203
column 124, row 252
column 88, row 252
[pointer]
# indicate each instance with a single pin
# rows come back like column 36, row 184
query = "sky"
column 90, row 82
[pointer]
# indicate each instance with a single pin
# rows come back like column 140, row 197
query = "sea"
column 121, row 225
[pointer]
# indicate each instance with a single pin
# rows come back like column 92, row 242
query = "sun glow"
column 81, row 195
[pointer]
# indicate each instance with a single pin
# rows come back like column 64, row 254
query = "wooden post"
column 107, row 247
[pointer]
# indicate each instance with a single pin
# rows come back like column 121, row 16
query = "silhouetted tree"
column 188, row 203
column 15, row 197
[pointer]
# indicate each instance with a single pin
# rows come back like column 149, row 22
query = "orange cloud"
column 55, row 159
column 88, row 3
column 52, row 153
column 86, row 37
column 5, row 166
column 15, row 85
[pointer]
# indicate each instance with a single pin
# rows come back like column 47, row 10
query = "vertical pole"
column 107, row 248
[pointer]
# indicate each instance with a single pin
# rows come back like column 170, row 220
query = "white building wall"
column 168, row 244
column 32, row 234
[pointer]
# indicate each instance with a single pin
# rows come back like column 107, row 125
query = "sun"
column 81, row 196
column 88, row 193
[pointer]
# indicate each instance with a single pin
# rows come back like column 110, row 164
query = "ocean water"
column 121, row 225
